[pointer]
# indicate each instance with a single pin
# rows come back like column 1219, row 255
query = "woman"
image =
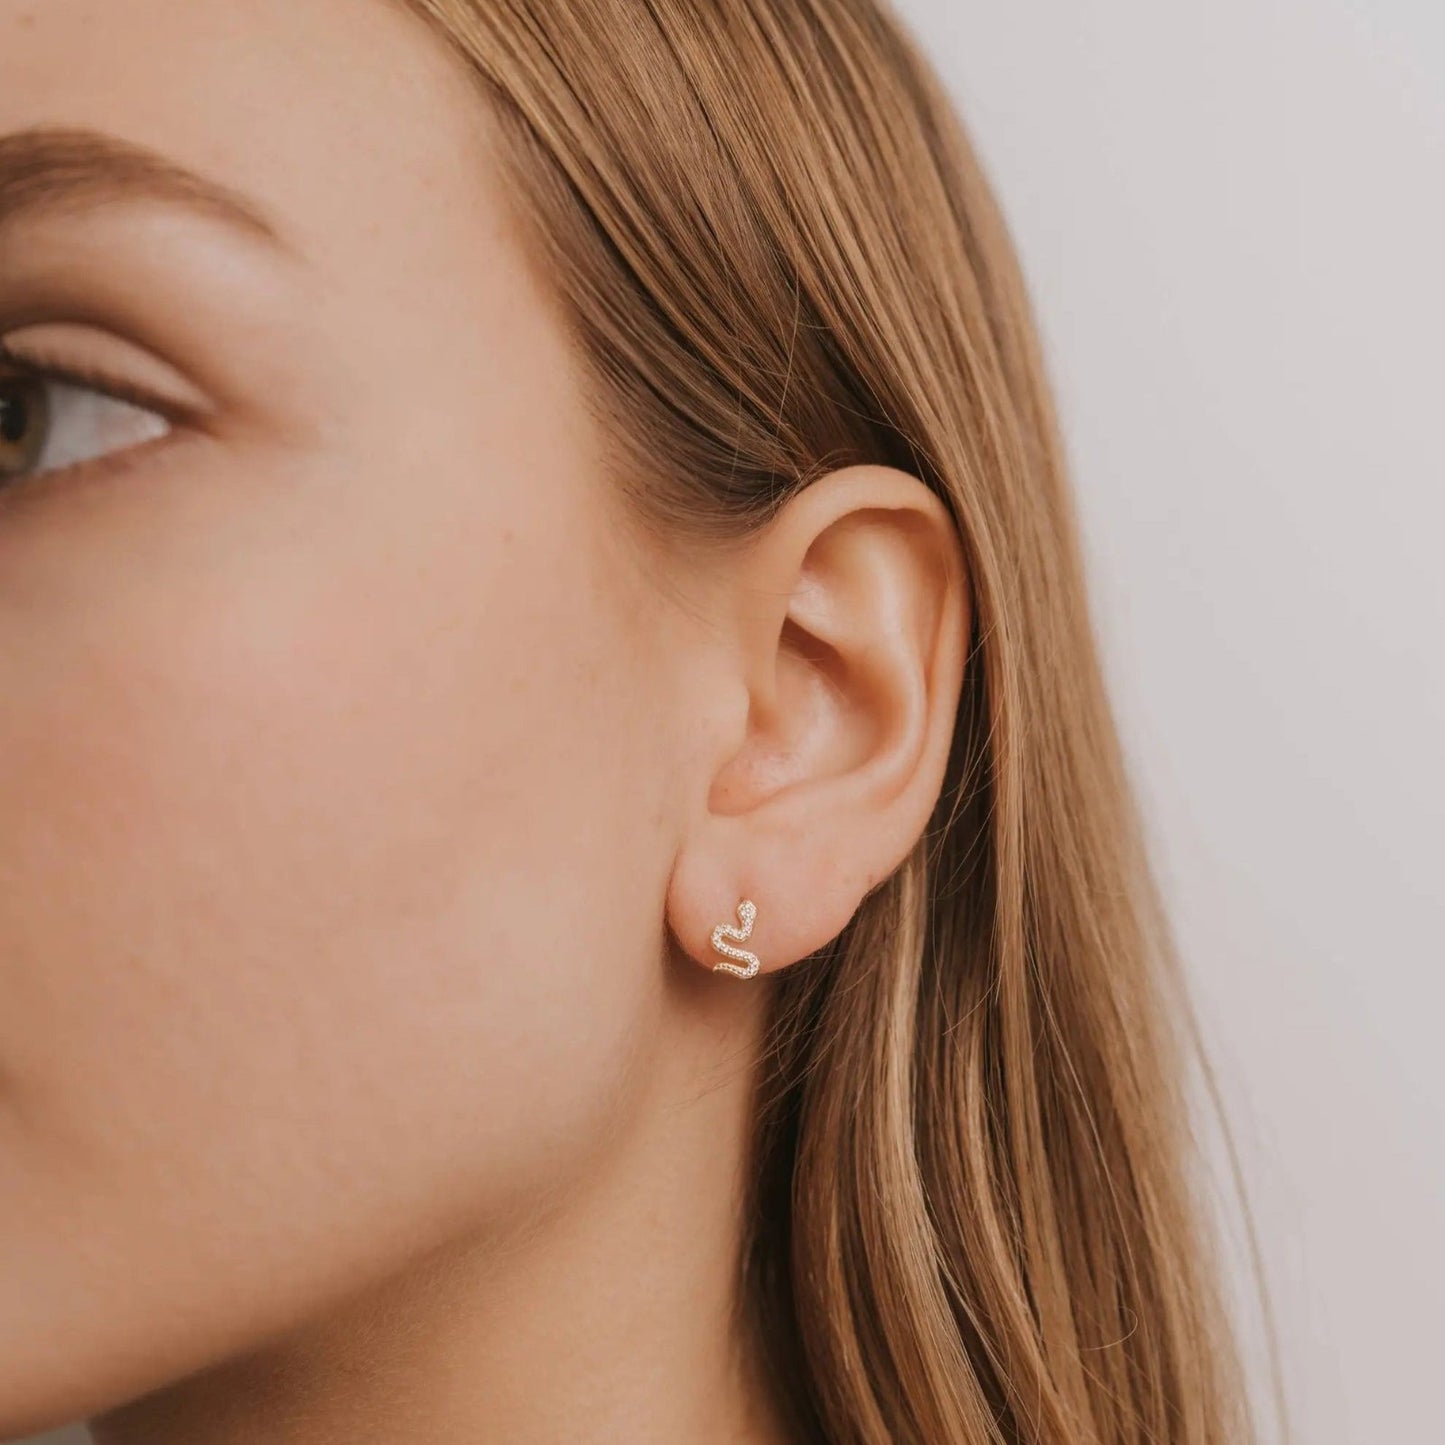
column 568, row 870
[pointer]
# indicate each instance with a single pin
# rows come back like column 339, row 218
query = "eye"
column 50, row 422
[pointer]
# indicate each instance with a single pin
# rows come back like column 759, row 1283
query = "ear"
column 845, row 628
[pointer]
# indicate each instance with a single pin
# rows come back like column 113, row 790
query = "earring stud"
column 747, row 911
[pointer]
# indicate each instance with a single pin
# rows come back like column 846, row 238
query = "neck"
column 612, row 1317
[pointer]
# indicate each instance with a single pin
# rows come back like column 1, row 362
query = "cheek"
column 313, row 871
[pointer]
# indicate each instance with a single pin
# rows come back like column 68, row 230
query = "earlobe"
column 852, row 621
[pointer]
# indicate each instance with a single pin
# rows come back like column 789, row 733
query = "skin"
column 368, row 800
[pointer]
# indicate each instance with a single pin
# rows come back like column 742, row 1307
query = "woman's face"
column 335, row 700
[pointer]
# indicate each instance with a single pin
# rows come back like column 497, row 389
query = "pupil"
column 14, row 418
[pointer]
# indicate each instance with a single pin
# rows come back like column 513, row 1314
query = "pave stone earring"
column 747, row 911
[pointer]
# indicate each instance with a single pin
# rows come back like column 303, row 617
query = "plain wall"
column 1232, row 217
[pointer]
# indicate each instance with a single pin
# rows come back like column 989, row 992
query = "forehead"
column 347, row 120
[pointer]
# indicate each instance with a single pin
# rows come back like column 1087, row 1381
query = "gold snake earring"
column 747, row 911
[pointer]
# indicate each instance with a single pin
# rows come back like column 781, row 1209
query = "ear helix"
column 747, row 912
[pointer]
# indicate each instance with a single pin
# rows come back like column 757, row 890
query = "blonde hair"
column 974, row 1216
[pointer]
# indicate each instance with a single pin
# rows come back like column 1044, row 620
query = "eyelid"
column 82, row 377
column 51, row 351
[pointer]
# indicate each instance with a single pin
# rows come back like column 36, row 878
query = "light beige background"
column 1233, row 217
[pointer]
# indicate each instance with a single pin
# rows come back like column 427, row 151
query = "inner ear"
column 850, row 659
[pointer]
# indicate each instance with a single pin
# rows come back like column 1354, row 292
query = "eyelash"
column 73, row 375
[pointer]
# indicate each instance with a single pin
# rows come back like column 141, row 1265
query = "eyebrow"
column 57, row 168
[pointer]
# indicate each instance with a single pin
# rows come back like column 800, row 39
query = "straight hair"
column 975, row 1187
